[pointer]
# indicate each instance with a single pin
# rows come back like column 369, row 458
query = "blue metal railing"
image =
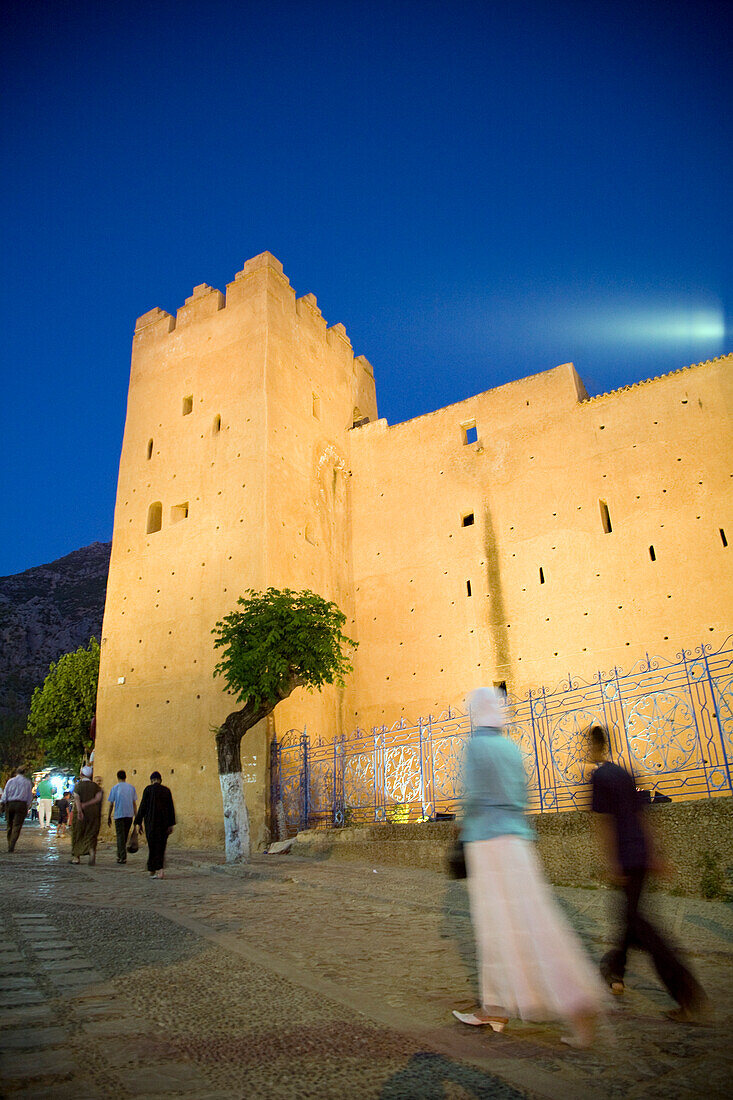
column 670, row 724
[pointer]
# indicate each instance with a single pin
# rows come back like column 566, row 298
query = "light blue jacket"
column 495, row 788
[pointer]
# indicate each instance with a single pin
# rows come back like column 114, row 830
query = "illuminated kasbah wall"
column 513, row 537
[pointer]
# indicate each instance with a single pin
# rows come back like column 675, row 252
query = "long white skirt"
column 531, row 963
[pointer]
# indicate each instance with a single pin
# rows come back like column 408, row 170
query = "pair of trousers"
column 15, row 814
column 45, row 806
column 122, row 828
column 637, row 931
column 157, row 842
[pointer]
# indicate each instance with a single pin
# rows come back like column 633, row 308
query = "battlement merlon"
column 156, row 321
column 363, row 362
column 204, row 302
column 262, row 273
column 307, row 309
column 264, row 259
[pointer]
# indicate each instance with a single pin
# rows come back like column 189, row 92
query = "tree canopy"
column 278, row 641
column 62, row 709
column 16, row 748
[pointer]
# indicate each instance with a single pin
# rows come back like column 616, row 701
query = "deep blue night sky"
column 478, row 191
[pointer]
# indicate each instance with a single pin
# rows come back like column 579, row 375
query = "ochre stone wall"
column 239, row 443
column 695, row 838
column 552, row 592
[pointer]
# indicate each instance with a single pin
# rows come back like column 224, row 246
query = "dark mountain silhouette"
column 45, row 612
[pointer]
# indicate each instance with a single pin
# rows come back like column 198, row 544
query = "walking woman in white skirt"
column 531, row 963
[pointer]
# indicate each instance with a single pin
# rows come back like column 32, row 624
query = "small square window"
column 467, row 520
column 179, row 512
column 470, row 432
column 187, row 406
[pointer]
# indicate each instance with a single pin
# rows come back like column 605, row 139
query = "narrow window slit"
column 652, row 554
column 542, row 575
column 155, row 517
column 605, row 517
column 468, row 588
column 723, row 539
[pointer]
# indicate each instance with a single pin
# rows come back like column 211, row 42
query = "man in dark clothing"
column 630, row 858
column 158, row 816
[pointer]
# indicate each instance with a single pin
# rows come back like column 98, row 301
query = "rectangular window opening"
column 179, row 512
column 468, row 588
column 187, row 405
column 723, row 539
column 605, row 517
column 542, row 575
column 652, row 554
column 470, row 432
column 500, row 685
column 467, row 520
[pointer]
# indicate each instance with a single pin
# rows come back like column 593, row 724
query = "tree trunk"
column 228, row 743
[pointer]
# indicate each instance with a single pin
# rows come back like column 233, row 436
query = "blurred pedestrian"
column 62, row 805
column 87, row 818
column 16, row 799
column 630, row 857
column 44, row 794
column 158, row 816
column 123, row 801
column 531, row 963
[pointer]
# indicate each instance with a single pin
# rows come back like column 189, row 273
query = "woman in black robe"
column 158, row 817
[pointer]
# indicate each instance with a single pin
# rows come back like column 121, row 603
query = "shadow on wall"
column 497, row 608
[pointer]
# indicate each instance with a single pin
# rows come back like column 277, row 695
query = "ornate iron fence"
column 670, row 724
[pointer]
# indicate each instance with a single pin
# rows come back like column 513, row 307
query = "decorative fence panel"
column 669, row 723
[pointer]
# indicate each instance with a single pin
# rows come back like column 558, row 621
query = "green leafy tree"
column 62, row 709
column 279, row 640
column 16, row 748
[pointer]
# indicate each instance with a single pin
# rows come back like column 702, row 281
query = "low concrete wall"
column 696, row 839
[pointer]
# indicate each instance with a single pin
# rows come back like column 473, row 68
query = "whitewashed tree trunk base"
column 236, row 818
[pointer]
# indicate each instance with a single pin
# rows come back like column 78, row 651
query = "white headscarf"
column 87, row 771
column 487, row 707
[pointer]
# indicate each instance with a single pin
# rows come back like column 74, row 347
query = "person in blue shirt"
column 123, row 801
column 531, row 963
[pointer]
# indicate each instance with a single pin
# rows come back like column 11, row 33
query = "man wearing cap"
column 87, row 817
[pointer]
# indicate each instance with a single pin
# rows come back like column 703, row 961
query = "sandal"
column 496, row 1023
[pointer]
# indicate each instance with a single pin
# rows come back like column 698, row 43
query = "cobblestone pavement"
column 297, row 978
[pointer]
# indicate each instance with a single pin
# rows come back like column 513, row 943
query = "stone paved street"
column 304, row 978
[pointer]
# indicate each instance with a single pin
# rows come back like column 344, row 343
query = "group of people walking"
column 155, row 816
column 531, row 963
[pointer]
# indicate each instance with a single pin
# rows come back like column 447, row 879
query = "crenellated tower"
column 234, row 474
